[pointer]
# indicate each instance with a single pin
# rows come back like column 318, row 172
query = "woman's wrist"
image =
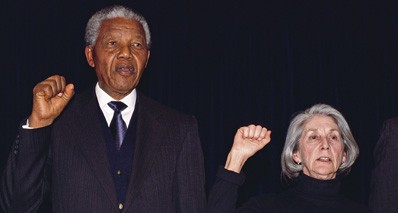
column 235, row 161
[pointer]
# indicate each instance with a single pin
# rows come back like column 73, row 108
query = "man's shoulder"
column 390, row 125
column 157, row 114
column 150, row 105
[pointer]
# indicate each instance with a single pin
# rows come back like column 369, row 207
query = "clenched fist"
column 248, row 140
column 50, row 97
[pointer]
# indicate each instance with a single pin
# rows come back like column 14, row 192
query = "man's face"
column 119, row 56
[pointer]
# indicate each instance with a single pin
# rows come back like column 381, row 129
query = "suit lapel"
column 92, row 143
column 145, row 148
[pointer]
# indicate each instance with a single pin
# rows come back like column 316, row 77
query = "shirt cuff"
column 26, row 126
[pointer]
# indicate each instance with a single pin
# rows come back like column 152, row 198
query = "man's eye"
column 313, row 137
column 112, row 43
column 138, row 45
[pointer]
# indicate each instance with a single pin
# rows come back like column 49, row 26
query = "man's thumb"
column 68, row 93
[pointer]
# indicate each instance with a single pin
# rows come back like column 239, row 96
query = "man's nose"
column 125, row 52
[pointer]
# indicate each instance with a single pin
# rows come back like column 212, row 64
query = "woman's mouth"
column 324, row 159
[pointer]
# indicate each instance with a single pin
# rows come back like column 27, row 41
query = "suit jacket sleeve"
column 383, row 194
column 189, row 179
column 24, row 180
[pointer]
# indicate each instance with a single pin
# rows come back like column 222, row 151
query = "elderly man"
column 110, row 149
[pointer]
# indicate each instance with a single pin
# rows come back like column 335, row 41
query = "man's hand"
column 248, row 140
column 49, row 99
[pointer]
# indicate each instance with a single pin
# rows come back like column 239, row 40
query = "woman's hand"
column 248, row 140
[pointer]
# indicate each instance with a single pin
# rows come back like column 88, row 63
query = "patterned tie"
column 117, row 126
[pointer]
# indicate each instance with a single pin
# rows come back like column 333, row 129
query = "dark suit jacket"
column 383, row 195
column 69, row 160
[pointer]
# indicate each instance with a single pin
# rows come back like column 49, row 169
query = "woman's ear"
column 296, row 157
column 344, row 157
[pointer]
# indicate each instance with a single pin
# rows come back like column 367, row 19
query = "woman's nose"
column 325, row 143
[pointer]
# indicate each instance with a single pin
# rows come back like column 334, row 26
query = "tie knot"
column 117, row 105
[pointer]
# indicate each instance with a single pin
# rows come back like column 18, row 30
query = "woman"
column 319, row 146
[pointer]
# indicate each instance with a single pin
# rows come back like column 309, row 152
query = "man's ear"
column 148, row 56
column 89, row 56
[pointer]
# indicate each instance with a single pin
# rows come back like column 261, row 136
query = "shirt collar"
column 103, row 98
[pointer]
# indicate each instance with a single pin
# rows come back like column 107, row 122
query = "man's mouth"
column 125, row 69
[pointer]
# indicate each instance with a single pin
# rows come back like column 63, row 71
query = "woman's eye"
column 334, row 137
column 313, row 137
column 112, row 43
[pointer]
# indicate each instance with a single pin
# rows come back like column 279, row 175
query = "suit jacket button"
column 120, row 206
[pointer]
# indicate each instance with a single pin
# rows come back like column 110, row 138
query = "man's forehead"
column 117, row 34
column 121, row 23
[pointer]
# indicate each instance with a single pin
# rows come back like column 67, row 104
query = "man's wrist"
column 34, row 122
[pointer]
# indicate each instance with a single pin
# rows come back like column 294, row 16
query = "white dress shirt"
column 103, row 98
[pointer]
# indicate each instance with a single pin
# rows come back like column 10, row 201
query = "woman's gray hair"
column 296, row 127
column 116, row 11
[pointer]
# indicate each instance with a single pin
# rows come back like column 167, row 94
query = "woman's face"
column 321, row 149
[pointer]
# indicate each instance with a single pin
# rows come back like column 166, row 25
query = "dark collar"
column 319, row 188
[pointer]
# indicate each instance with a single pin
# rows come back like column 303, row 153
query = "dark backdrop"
column 228, row 62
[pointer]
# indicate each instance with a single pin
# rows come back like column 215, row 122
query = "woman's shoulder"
column 352, row 206
column 288, row 201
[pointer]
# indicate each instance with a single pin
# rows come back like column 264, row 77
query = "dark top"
column 309, row 195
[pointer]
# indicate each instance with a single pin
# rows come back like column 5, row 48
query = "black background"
column 228, row 62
